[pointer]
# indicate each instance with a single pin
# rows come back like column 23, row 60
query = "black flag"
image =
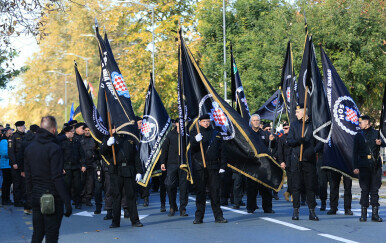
column 317, row 103
column 245, row 152
column 156, row 124
column 267, row 111
column 345, row 121
column 118, row 97
column 77, row 112
column 287, row 83
column 238, row 95
column 382, row 128
column 89, row 112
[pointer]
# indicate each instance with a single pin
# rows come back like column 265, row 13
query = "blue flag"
column 72, row 112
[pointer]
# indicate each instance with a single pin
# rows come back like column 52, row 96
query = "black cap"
column 77, row 125
column 67, row 128
column 204, row 116
column 34, row 128
column 285, row 124
column 85, row 126
column 364, row 117
column 72, row 123
column 266, row 125
column 7, row 125
column 138, row 118
column 19, row 123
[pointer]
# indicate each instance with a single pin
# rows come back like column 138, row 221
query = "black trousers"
column 238, row 182
column 201, row 179
column 72, row 180
column 6, row 186
column 119, row 183
column 46, row 225
column 176, row 177
column 304, row 175
column 335, row 178
column 289, row 180
column 88, row 186
column 370, row 180
column 323, row 178
column 253, row 188
column 226, row 191
column 162, row 187
column 18, row 186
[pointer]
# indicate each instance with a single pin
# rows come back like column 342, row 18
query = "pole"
column 65, row 98
column 202, row 149
column 304, row 123
column 86, row 69
column 152, row 30
column 225, row 50
column 274, row 119
column 110, row 131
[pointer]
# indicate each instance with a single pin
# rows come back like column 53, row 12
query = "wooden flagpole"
column 110, row 131
column 304, row 123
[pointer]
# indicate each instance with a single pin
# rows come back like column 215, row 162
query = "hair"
column 48, row 123
column 250, row 119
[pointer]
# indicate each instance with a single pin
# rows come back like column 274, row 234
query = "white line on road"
column 333, row 237
column 294, row 226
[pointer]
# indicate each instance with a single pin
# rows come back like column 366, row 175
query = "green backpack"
column 47, row 204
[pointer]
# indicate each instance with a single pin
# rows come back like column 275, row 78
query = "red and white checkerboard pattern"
column 146, row 128
column 119, row 84
column 351, row 115
column 219, row 117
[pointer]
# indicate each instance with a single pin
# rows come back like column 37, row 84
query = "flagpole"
column 304, row 123
column 274, row 119
column 110, row 131
column 202, row 149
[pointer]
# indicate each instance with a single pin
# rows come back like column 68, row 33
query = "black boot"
column 163, row 208
column 146, row 202
column 295, row 216
column 332, row 211
column 363, row 217
column 126, row 214
column 109, row 214
column 323, row 206
column 172, row 212
column 375, row 216
column 98, row 209
column 347, row 211
column 313, row 215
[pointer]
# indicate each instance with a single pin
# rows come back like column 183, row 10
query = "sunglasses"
column 285, row 128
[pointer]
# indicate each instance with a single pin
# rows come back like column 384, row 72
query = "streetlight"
column 225, row 50
column 65, row 90
column 152, row 28
column 84, row 58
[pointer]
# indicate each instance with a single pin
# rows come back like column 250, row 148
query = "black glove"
column 302, row 140
column 68, row 210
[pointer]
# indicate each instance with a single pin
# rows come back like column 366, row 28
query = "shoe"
column 275, row 196
column 348, row 211
column 269, row 211
column 98, row 209
column 126, row 214
column 313, row 216
column 114, row 226
column 109, row 215
column 221, row 221
column 163, row 208
column 241, row 203
column 363, row 217
column 137, row 224
column 79, row 206
column 7, row 202
column 224, row 203
column 332, row 211
column 250, row 211
column 323, row 206
column 28, row 211
column 286, row 196
column 295, row 215
column 197, row 221
column 88, row 203
column 236, row 207
column 146, row 202
column 172, row 212
column 18, row 204
column 375, row 216
column 183, row 213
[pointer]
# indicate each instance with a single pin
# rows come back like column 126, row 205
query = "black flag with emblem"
column 156, row 124
column 345, row 121
column 267, row 111
column 246, row 153
column 238, row 95
column 118, row 97
column 382, row 128
column 89, row 112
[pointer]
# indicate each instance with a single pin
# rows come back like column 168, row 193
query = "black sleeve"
column 56, row 163
column 138, row 164
column 11, row 151
column 28, row 177
column 193, row 143
column 223, row 155
column 104, row 149
column 82, row 156
column 280, row 151
column 165, row 149
column 291, row 140
column 355, row 151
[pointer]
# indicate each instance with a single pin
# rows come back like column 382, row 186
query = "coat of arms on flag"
column 149, row 129
column 351, row 116
column 119, row 84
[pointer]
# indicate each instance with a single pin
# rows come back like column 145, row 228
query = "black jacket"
column 170, row 147
column 89, row 147
column 283, row 153
column 213, row 146
column 310, row 147
column 43, row 162
column 264, row 136
column 28, row 139
column 126, row 154
column 73, row 154
column 15, row 149
column 364, row 146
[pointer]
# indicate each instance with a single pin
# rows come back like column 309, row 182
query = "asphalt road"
column 84, row 226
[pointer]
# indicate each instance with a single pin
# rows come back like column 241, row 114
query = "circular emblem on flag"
column 346, row 114
column 217, row 116
column 310, row 89
column 149, row 129
column 119, row 84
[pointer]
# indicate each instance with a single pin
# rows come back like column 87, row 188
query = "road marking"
column 91, row 214
column 333, row 237
column 294, row 226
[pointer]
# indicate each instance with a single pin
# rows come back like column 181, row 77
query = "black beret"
column 77, row 125
column 19, row 123
column 204, row 116
column 67, row 128
column 365, row 117
column 138, row 118
column 72, row 123
column 34, row 128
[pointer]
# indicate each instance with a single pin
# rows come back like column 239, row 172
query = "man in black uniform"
column 123, row 175
column 79, row 130
column 284, row 158
column 367, row 163
column 73, row 156
column 15, row 161
column 215, row 165
column 335, row 178
column 43, row 162
column 303, row 171
column 253, row 188
column 175, row 176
